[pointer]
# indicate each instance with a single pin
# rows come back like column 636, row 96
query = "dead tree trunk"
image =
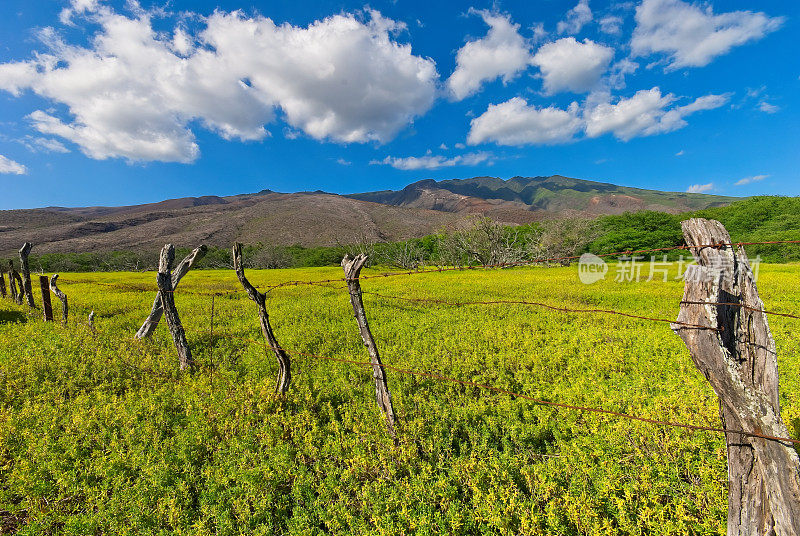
column 47, row 306
column 164, row 280
column 2, row 285
column 156, row 311
column 738, row 359
column 24, row 251
column 284, row 362
column 61, row 296
column 352, row 269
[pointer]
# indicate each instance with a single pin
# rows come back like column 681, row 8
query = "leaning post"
column 284, row 361
column 738, row 358
column 2, row 285
column 352, row 269
column 156, row 311
column 164, row 280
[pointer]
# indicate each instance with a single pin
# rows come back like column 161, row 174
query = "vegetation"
column 102, row 435
column 756, row 219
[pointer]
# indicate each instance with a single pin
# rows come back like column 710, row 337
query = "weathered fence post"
column 284, row 362
column 61, row 296
column 738, row 358
column 15, row 282
column 24, row 251
column 352, row 269
column 2, row 285
column 151, row 322
column 47, row 307
column 91, row 321
column 164, row 280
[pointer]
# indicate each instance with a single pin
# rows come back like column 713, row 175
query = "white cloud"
column 569, row 65
column 430, row 161
column 9, row 166
column 577, row 18
column 646, row 113
column 680, row 153
column 342, row 162
column 502, row 53
column 443, row 147
column 768, row 108
column 47, row 145
column 750, row 180
column 134, row 92
column 692, row 35
column 700, row 188
column 514, row 122
column 611, row 24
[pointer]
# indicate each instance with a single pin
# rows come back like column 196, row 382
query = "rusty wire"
column 538, row 401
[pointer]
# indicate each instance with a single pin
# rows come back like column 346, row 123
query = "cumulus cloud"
column 135, row 93
column 577, row 18
column 569, row 65
column 750, row 180
column 11, row 167
column 692, row 35
column 503, row 52
column 646, row 113
column 514, row 122
column 430, row 161
column 700, row 188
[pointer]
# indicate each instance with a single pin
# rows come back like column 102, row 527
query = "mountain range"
column 320, row 218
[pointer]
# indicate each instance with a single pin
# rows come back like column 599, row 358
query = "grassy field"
column 102, row 435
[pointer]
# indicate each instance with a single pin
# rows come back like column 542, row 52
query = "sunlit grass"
column 101, row 434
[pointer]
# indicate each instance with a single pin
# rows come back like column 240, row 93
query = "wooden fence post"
column 47, row 307
column 15, row 283
column 352, row 269
column 24, row 251
column 2, row 285
column 91, row 321
column 164, row 280
column 739, row 360
column 284, row 361
column 151, row 322
column 61, row 296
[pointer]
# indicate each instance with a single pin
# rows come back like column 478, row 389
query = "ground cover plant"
column 102, row 435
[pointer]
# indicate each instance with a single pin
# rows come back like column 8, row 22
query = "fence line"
column 440, row 377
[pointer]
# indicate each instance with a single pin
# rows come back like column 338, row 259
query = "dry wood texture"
column 164, row 280
column 2, row 285
column 739, row 360
column 156, row 311
column 284, row 362
column 61, row 296
column 15, row 283
column 27, row 287
column 352, row 269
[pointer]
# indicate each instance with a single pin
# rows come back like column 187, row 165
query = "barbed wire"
column 538, row 401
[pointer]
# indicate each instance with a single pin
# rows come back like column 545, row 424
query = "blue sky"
column 108, row 103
